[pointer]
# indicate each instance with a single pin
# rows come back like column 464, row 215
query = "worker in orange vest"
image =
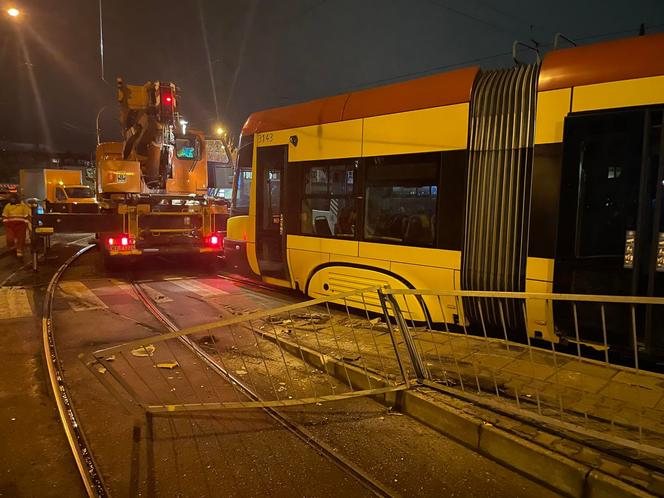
column 16, row 218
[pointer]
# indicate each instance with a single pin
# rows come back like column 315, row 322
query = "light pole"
column 97, row 121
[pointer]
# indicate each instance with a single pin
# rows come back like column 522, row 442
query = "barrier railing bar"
column 340, row 354
column 395, row 344
column 235, row 320
column 234, row 405
column 304, row 362
column 447, row 329
column 604, row 336
column 591, row 298
column 415, row 358
column 634, row 340
column 470, row 349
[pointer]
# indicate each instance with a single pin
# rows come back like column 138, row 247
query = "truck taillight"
column 213, row 240
column 122, row 242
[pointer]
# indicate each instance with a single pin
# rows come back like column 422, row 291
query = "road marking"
column 5, row 281
column 14, row 303
column 199, row 288
column 155, row 295
column 79, row 297
column 79, row 242
column 117, row 287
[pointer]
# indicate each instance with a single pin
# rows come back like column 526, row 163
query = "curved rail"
column 85, row 462
column 372, row 485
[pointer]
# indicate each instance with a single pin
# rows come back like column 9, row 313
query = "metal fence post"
column 415, row 358
column 383, row 303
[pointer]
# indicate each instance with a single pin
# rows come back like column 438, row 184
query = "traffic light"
column 167, row 101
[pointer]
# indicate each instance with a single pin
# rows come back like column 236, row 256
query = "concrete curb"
column 540, row 463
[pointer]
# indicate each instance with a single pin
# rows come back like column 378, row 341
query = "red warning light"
column 124, row 241
column 166, row 94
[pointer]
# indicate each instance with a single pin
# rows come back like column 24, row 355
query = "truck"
column 60, row 190
column 155, row 181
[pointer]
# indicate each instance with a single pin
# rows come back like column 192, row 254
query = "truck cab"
column 73, row 198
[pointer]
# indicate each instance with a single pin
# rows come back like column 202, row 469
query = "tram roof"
column 638, row 57
column 616, row 60
column 452, row 87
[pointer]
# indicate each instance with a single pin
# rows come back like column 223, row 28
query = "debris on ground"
column 311, row 317
column 241, row 372
column 351, row 358
column 111, row 358
column 101, row 369
column 143, row 351
column 168, row 365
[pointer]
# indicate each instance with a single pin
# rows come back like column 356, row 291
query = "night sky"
column 262, row 53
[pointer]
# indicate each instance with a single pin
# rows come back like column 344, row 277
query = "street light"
column 219, row 131
column 13, row 12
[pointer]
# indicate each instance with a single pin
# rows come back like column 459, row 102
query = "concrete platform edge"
column 546, row 466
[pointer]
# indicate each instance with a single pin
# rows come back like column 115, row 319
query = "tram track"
column 86, row 463
column 296, row 429
column 322, row 442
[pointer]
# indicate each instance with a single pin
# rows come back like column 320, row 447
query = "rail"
column 288, row 356
column 374, row 486
column 85, row 462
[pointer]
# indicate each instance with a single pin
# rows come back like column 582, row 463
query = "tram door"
column 611, row 225
column 270, row 235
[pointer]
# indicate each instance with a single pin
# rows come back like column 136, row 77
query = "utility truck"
column 155, row 182
column 60, row 190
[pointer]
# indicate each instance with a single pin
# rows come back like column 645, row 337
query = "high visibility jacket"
column 16, row 212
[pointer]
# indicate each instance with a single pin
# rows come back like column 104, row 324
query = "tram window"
column 400, row 201
column 328, row 206
column 610, row 170
column 243, row 188
column 242, row 180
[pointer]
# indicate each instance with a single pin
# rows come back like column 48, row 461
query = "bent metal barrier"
column 305, row 353
column 613, row 405
column 342, row 346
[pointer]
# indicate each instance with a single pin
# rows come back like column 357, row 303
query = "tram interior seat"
column 322, row 226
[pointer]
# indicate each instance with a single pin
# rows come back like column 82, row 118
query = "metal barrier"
column 339, row 347
column 305, row 353
column 616, row 405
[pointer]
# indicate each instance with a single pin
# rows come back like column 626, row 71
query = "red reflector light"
column 124, row 241
column 213, row 240
column 168, row 99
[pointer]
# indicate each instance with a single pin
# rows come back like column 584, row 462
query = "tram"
column 537, row 178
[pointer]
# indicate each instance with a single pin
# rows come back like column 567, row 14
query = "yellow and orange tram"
column 538, row 178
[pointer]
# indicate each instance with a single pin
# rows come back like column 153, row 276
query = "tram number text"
column 264, row 138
